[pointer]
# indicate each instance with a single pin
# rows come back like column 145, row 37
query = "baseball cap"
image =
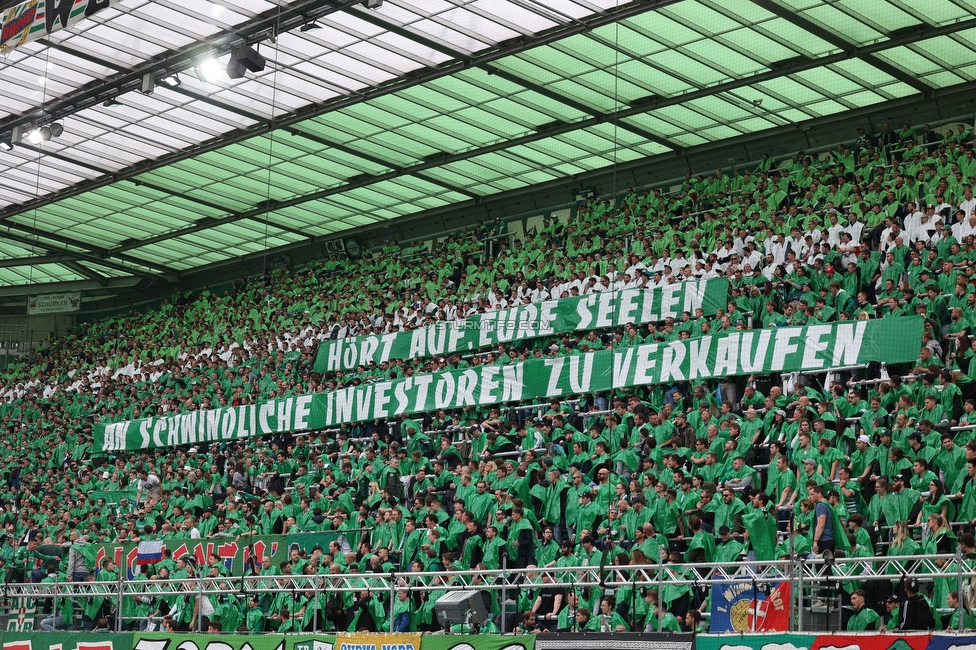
column 863, row 438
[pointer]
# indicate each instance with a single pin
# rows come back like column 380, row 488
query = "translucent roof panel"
column 941, row 61
column 37, row 274
column 370, row 115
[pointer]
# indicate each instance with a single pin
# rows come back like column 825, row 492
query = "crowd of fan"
column 878, row 228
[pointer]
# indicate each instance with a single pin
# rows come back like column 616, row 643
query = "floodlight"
column 111, row 103
column 310, row 27
column 208, row 70
column 372, row 4
column 172, row 80
column 56, row 129
column 7, row 141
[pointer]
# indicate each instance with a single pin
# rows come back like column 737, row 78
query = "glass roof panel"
column 654, row 124
column 720, row 132
column 945, row 79
column 760, row 45
column 857, row 31
column 939, row 12
column 798, row 93
column 831, row 82
column 38, row 274
column 950, row 51
column 865, row 97
column 886, row 15
column 12, row 250
column 720, row 108
column 690, row 139
column 687, row 120
column 564, row 59
column 702, row 17
column 908, row 59
column 691, row 68
column 869, row 75
column 827, row 107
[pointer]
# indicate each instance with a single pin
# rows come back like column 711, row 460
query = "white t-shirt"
column 150, row 485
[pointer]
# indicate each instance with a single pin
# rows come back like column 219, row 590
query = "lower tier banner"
column 477, row 642
column 619, row 641
column 729, row 353
column 861, row 641
column 65, row 641
column 373, row 641
column 162, row 641
column 233, row 556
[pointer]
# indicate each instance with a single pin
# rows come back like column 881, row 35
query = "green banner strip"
column 732, row 353
column 525, row 322
column 754, row 641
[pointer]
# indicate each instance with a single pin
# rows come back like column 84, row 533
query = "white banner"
column 33, row 19
column 54, row 303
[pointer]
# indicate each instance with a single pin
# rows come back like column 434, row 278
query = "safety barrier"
column 797, row 582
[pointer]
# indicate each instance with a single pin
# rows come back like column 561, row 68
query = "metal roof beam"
column 263, row 27
column 112, row 284
column 59, row 155
column 446, row 160
column 499, row 199
column 376, row 160
column 377, row 19
column 412, row 80
column 835, row 39
column 87, row 272
column 450, row 186
column 12, row 262
column 580, row 106
column 409, row 80
column 102, row 259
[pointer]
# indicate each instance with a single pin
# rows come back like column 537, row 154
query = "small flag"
column 741, row 608
column 149, row 552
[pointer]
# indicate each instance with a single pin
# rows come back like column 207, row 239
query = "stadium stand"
column 862, row 462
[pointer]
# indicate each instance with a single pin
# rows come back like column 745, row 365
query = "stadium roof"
column 365, row 115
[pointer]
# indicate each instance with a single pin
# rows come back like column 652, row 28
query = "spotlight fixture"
column 111, row 103
column 7, row 141
column 36, row 136
column 310, row 27
column 243, row 59
column 148, row 84
column 56, row 129
column 171, row 80
column 208, row 70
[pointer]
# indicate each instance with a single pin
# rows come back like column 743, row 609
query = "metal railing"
column 810, row 577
